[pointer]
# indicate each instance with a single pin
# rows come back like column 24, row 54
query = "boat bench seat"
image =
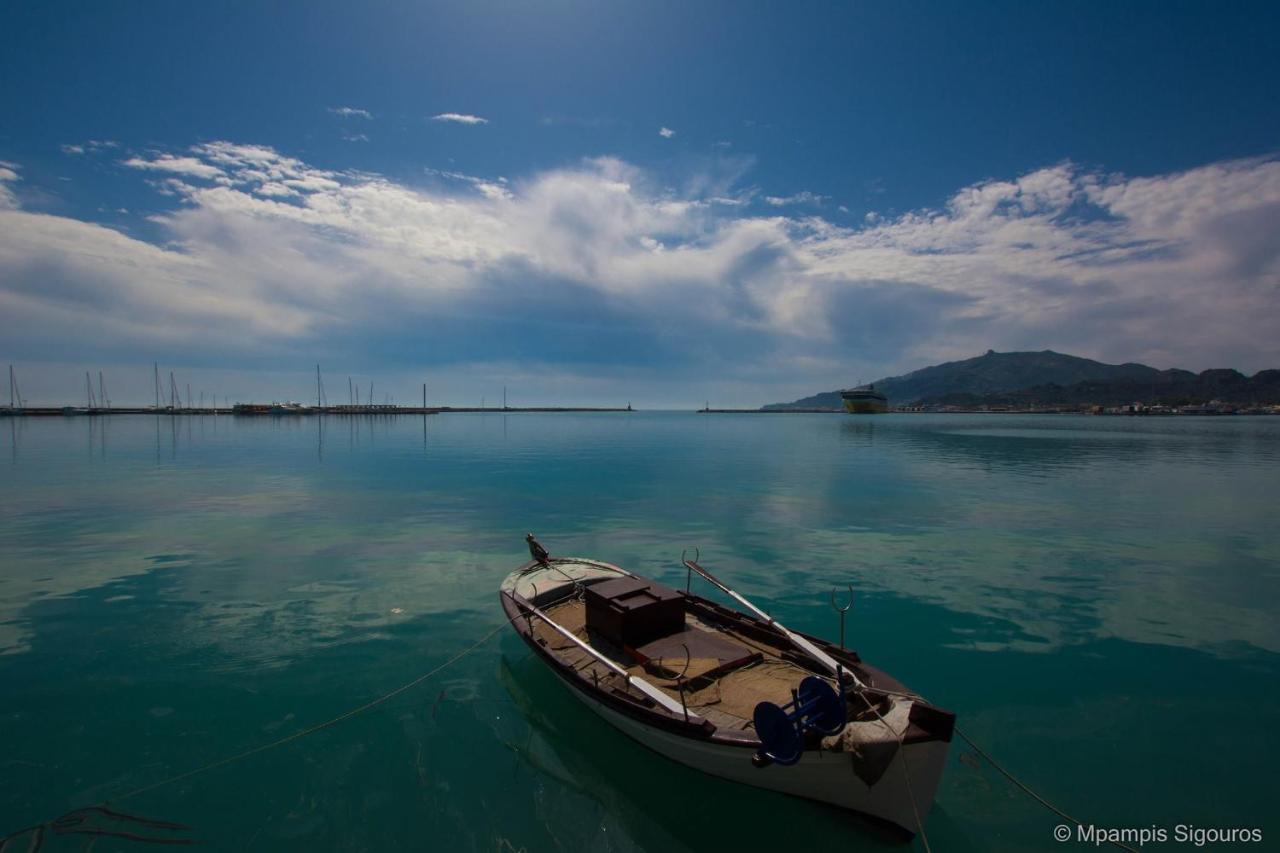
column 708, row 654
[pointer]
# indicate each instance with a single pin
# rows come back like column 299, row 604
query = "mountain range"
column 1052, row 378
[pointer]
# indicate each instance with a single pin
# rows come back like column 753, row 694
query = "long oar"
column 795, row 639
column 632, row 680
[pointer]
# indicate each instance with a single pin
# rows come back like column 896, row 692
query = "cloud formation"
column 189, row 166
column 600, row 268
column 803, row 197
column 666, row 132
column 350, row 112
column 8, row 175
column 460, row 118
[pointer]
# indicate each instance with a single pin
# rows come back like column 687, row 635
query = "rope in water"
column 223, row 762
column 911, row 794
column 1023, row 786
column 240, row 756
column 1027, row 790
column 386, row 697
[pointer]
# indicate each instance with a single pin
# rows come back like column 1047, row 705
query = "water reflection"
column 992, row 559
column 655, row 803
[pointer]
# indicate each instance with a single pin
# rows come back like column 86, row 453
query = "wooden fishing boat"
column 734, row 694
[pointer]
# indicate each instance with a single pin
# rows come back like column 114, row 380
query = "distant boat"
column 732, row 694
column 864, row 400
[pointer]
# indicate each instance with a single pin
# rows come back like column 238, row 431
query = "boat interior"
column 711, row 659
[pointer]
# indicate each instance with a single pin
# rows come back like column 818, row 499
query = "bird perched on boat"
column 536, row 550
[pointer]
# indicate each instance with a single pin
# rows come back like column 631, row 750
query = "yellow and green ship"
column 864, row 400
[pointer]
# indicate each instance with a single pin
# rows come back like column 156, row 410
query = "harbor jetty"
column 99, row 404
column 707, row 411
column 259, row 410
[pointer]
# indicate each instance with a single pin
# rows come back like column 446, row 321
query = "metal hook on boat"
column 688, row 659
column 842, row 610
column 688, row 579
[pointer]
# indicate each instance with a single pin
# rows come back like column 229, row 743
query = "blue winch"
column 781, row 729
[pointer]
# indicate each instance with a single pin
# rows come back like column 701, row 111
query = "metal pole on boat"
column 688, row 575
column 842, row 611
column 796, row 640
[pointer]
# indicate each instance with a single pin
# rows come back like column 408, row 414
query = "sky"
column 601, row 203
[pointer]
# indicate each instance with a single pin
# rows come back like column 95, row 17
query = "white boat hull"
column 902, row 796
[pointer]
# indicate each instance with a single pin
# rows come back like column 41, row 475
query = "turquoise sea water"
column 1096, row 598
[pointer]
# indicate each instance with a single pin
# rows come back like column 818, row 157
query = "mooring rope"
column 1023, row 786
column 1026, row 789
column 902, row 751
column 223, row 762
column 54, row 824
column 240, row 756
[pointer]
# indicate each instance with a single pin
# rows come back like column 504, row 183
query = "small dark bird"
column 536, row 550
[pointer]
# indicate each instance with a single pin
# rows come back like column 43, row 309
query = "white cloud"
column 460, row 118
column 666, row 132
column 804, row 197
column 355, row 137
column 350, row 112
column 267, row 251
column 89, row 146
column 8, row 174
column 494, row 189
column 189, row 166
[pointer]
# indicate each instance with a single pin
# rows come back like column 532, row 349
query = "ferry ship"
column 864, row 400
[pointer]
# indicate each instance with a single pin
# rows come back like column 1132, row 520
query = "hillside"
column 1170, row 388
column 992, row 373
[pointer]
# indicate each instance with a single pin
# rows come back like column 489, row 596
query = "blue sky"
column 661, row 203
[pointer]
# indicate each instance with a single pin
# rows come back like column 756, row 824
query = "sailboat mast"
column 11, row 386
column 102, row 391
column 156, row 366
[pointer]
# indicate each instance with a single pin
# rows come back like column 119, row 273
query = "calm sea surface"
column 1097, row 598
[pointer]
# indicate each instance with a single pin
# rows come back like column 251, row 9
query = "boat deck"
column 726, row 673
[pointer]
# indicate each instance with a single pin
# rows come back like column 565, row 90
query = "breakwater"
column 40, row 412
column 770, row 411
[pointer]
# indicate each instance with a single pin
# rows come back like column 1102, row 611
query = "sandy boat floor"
column 726, row 676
